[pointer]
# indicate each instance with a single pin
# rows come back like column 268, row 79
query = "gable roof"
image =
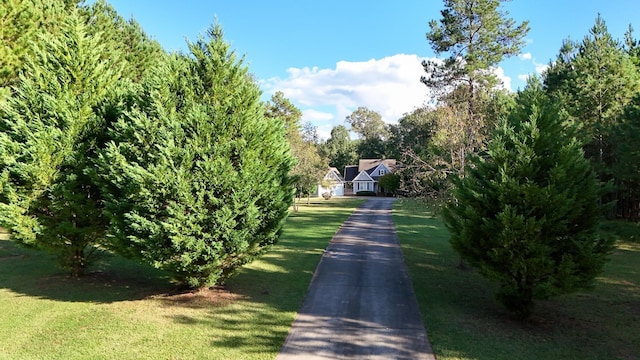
column 368, row 164
column 373, row 172
column 333, row 174
column 363, row 176
column 350, row 172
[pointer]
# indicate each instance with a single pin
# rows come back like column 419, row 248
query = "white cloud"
column 504, row 79
column 523, row 77
column 525, row 56
column 315, row 115
column 540, row 68
column 390, row 86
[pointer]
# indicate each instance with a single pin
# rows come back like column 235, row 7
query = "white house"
column 332, row 183
column 365, row 176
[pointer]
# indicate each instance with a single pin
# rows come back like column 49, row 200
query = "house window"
column 381, row 172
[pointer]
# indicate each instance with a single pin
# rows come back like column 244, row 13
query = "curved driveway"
column 360, row 303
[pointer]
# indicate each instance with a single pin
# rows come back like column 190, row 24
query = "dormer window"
column 381, row 172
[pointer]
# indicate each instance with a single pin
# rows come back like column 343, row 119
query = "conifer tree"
column 49, row 129
column 196, row 179
column 595, row 79
column 22, row 21
column 476, row 35
column 526, row 214
column 127, row 42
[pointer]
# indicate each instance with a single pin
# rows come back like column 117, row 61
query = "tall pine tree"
column 476, row 35
column 595, row 79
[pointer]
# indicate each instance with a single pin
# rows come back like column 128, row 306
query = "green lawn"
column 122, row 310
column 463, row 320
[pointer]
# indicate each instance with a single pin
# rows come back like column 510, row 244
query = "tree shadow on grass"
column 592, row 324
column 33, row 273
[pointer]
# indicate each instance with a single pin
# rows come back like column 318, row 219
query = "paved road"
column 360, row 304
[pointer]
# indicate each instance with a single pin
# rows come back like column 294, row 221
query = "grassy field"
column 122, row 310
column 463, row 320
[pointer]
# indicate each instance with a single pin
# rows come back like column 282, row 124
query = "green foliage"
column 125, row 40
column 526, row 214
column 390, row 182
column 477, row 35
column 339, row 149
column 626, row 170
column 196, row 179
column 48, row 140
column 22, row 21
column 310, row 166
column 412, row 134
column 595, row 80
column 368, row 124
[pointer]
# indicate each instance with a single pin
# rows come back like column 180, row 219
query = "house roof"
column 334, row 174
column 368, row 164
column 350, row 172
column 363, row 176
column 373, row 172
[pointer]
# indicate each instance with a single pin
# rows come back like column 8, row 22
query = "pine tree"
column 595, row 79
column 49, row 130
column 526, row 214
column 197, row 180
column 477, row 35
column 626, row 170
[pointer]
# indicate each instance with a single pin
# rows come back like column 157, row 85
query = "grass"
column 122, row 310
column 464, row 321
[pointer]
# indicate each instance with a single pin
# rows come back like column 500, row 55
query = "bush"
column 365, row 193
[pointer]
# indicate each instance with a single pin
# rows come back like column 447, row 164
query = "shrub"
column 365, row 193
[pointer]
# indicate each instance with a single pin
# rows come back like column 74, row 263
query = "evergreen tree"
column 49, row 131
column 595, row 79
column 22, row 21
column 526, row 214
column 626, row 170
column 196, row 179
column 126, row 41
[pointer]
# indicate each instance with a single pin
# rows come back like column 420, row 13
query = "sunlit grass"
column 125, row 311
column 464, row 321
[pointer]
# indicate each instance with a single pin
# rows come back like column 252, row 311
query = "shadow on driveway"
column 360, row 303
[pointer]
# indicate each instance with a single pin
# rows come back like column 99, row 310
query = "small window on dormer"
column 381, row 172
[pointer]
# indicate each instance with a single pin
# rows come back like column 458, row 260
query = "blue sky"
column 329, row 57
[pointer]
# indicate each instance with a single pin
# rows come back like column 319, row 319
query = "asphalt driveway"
column 360, row 303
